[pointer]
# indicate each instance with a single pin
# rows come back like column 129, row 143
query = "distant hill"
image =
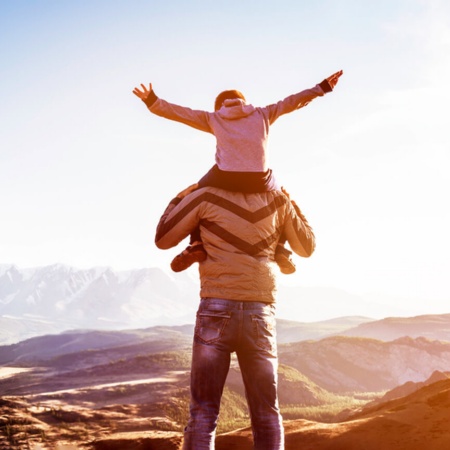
column 291, row 331
column 338, row 364
column 408, row 388
column 429, row 326
column 87, row 343
column 351, row 364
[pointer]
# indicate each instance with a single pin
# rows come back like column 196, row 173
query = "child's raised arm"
column 144, row 93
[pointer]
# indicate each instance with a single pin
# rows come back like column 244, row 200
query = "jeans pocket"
column 210, row 325
column 264, row 331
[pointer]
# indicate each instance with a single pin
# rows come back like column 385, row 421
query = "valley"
column 99, row 390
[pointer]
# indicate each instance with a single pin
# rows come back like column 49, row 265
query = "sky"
column 86, row 171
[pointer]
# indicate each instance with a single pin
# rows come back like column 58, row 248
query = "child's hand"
column 333, row 79
column 144, row 93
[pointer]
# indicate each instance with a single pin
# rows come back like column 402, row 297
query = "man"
column 240, row 233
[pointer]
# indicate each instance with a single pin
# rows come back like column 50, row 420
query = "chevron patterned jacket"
column 240, row 233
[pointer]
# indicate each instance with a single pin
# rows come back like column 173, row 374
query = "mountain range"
column 125, row 389
column 56, row 298
column 338, row 364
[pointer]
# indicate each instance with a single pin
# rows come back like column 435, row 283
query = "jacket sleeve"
column 298, row 232
column 297, row 101
column 194, row 118
column 180, row 218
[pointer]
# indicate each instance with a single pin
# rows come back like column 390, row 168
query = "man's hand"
column 188, row 190
column 144, row 93
column 333, row 79
column 286, row 193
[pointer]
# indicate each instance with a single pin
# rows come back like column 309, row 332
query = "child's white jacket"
column 241, row 130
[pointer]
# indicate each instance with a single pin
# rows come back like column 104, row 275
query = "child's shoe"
column 284, row 260
column 192, row 254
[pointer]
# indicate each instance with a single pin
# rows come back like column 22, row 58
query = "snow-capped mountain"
column 50, row 299
column 59, row 297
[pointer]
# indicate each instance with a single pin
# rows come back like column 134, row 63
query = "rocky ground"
column 415, row 422
column 130, row 390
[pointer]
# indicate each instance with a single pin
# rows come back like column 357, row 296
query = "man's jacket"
column 240, row 233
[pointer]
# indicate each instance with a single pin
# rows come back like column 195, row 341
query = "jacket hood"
column 235, row 108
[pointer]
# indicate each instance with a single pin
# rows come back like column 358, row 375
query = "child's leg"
column 195, row 237
column 283, row 257
column 195, row 252
column 192, row 254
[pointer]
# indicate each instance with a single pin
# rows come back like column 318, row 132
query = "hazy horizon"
column 300, row 303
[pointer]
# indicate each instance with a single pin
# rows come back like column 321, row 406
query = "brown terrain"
column 129, row 390
column 417, row 422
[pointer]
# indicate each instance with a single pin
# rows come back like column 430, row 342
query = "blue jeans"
column 247, row 328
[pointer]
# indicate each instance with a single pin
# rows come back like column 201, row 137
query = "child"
column 241, row 132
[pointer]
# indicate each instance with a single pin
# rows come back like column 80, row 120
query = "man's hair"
column 227, row 95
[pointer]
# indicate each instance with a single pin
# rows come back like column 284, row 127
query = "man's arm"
column 298, row 231
column 300, row 234
column 178, row 220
